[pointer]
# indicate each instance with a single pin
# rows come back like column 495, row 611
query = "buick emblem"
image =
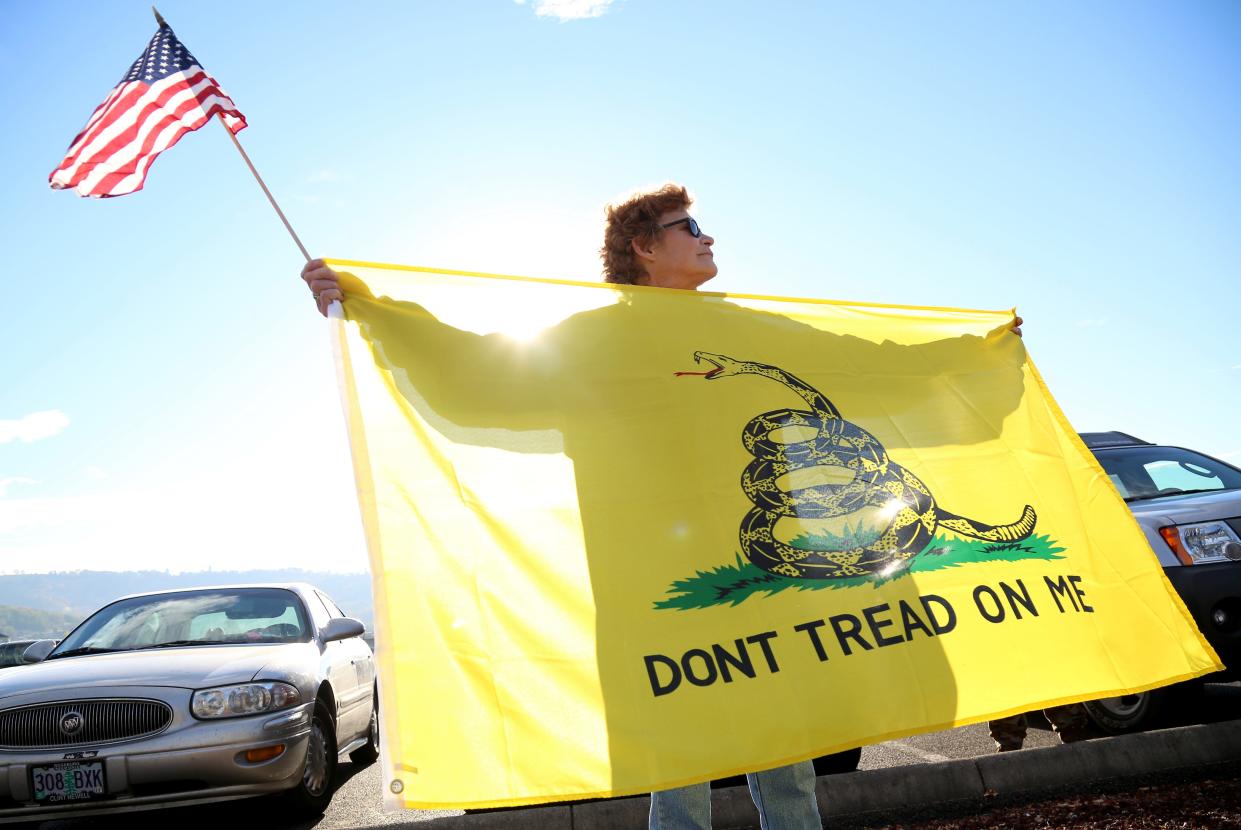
column 71, row 723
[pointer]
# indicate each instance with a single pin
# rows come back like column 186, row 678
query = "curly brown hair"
column 636, row 219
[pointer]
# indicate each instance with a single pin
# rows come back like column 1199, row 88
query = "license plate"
column 67, row 781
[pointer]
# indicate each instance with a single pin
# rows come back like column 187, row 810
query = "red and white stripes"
column 134, row 124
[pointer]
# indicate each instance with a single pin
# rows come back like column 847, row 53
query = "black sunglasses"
column 690, row 225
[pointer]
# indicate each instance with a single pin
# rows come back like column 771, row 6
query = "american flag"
column 163, row 96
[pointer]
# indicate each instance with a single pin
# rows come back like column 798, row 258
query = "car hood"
column 1192, row 507
column 194, row 667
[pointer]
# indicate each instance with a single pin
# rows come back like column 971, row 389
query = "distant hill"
column 75, row 594
column 19, row 623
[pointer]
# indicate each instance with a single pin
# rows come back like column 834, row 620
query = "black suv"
column 1189, row 506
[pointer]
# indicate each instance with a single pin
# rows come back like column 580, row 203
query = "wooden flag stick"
column 159, row 18
column 259, row 179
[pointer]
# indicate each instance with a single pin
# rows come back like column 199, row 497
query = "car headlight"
column 1202, row 542
column 243, row 699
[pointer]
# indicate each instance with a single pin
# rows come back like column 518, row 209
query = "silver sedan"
column 188, row 697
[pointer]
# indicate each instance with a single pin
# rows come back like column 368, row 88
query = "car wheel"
column 1132, row 713
column 368, row 753
column 1128, row 713
column 314, row 792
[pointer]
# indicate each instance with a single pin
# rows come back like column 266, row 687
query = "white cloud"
column 95, row 473
column 5, row 483
column 569, row 9
column 34, row 427
column 1092, row 323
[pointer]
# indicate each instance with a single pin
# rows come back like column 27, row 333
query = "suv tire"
column 1136, row 712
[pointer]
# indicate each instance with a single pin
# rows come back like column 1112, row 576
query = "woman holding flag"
column 651, row 240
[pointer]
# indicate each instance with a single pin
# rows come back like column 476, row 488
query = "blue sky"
column 168, row 399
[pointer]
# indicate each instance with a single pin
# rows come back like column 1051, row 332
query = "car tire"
column 314, row 791
column 368, row 753
column 1134, row 713
column 1126, row 713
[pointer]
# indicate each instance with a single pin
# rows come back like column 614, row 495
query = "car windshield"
column 191, row 618
column 1146, row 472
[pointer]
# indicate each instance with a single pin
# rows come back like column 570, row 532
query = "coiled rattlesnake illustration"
column 874, row 483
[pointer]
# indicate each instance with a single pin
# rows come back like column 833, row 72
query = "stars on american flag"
column 163, row 56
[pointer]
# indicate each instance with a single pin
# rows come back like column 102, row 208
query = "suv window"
column 1150, row 472
column 1182, row 476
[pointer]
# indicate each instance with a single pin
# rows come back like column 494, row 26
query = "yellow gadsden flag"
column 627, row 538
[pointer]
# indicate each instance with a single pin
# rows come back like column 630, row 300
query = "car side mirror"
column 38, row 651
column 340, row 628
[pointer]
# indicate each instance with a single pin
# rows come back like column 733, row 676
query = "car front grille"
column 81, row 723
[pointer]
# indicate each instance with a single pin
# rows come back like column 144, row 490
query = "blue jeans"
column 784, row 797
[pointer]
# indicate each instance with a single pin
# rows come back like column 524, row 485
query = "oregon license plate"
column 67, row 781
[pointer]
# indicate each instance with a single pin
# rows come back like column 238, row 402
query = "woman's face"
column 679, row 259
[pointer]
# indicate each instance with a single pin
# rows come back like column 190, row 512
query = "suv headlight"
column 1202, row 542
column 243, row 699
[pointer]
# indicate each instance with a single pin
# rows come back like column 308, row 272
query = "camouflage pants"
column 1069, row 722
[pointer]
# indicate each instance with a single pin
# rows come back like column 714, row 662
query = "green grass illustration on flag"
column 731, row 584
